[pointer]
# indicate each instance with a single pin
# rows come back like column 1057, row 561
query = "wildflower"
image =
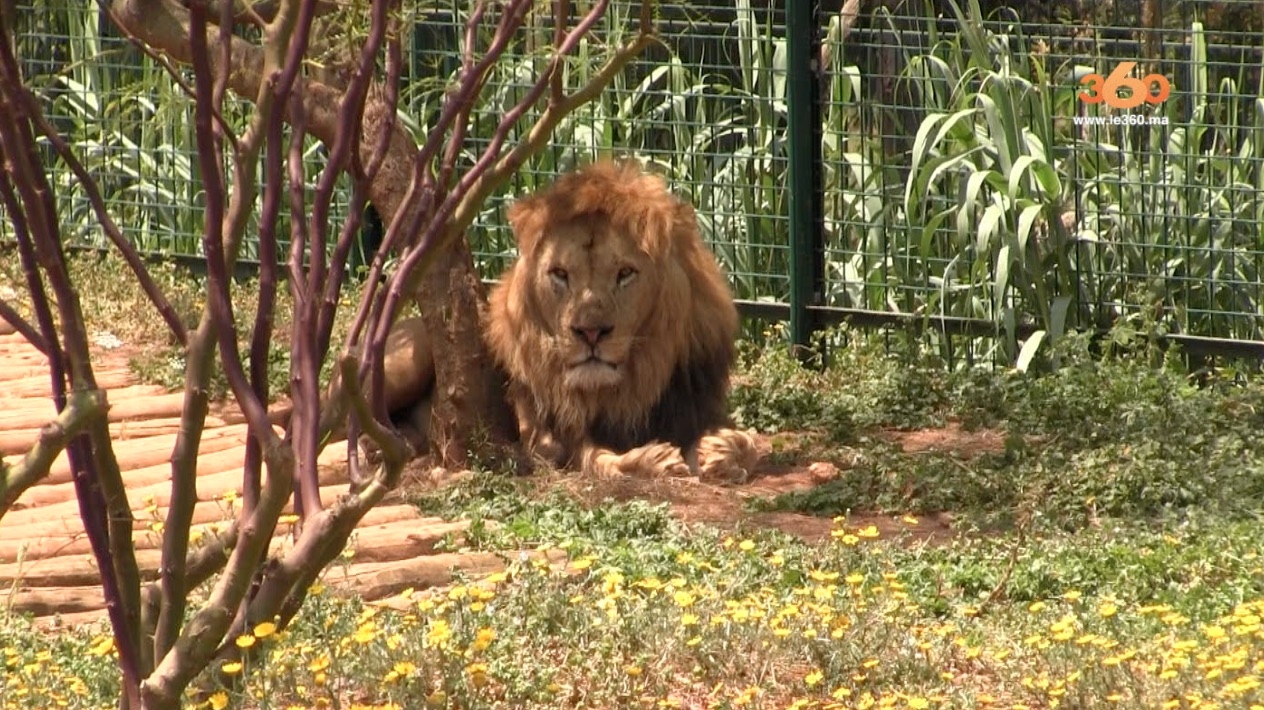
column 683, row 599
column 746, row 545
column 821, row 576
column 102, row 647
column 219, row 700
column 231, row 668
column 264, row 629
column 869, row 532
column 845, row 537
column 365, row 633
column 483, row 639
column 245, row 641
column 478, row 674
column 439, row 634
column 813, row 678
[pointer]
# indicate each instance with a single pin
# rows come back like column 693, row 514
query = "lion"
column 616, row 331
column 613, row 335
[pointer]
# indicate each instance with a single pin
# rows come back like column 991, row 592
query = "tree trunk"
column 469, row 397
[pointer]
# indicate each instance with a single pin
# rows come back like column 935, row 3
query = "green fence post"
column 807, row 258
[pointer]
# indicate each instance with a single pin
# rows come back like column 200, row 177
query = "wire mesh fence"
column 979, row 162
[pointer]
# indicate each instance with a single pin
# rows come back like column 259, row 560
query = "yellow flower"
column 478, row 674
column 365, row 633
column 484, row 638
column 245, row 641
column 844, row 537
column 1107, row 610
column 633, row 671
column 746, row 545
column 683, row 598
column 231, row 668
column 219, row 700
column 265, row 629
column 868, row 532
column 439, row 634
column 102, row 647
column 813, row 678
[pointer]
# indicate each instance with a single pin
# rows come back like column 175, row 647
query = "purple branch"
column 39, row 246
column 15, row 319
column 346, row 145
column 213, row 237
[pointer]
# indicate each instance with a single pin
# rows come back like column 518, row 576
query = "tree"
column 428, row 195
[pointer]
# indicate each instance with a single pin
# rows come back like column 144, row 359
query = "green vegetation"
column 963, row 189
column 1106, row 554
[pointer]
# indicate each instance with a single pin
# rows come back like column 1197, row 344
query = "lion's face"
column 593, row 288
column 615, row 309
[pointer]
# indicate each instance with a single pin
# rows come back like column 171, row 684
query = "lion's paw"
column 653, row 461
column 726, row 455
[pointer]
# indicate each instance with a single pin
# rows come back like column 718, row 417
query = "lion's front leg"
column 726, row 455
column 650, row 461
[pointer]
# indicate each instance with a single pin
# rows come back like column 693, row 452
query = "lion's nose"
column 591, row 335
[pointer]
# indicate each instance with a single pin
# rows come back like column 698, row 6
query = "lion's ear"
column 526, row 218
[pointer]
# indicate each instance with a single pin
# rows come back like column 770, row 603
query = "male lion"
column 616, row 330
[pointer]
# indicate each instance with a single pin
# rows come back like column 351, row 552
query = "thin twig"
column 15, row 319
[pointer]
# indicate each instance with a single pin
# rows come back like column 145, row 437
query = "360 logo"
column 1151, row 89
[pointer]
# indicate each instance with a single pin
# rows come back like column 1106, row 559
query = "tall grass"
column 997, row 208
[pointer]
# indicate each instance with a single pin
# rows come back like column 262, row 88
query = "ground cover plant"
column 1104, row 553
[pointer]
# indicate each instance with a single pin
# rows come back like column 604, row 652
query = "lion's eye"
column 558, row 274
column 626, row 274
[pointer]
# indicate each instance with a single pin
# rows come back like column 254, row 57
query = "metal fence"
column 937, row 166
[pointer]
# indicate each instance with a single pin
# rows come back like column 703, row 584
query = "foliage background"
column 956, row 184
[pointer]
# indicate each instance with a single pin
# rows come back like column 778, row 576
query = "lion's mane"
column 676, row 383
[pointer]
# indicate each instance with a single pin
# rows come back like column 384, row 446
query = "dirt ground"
column 725, row 505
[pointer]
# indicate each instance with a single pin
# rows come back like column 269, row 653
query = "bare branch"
column 213, row 239
column 53, row 439
column 561, row 14
column 98, row 485
column 15, row 319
